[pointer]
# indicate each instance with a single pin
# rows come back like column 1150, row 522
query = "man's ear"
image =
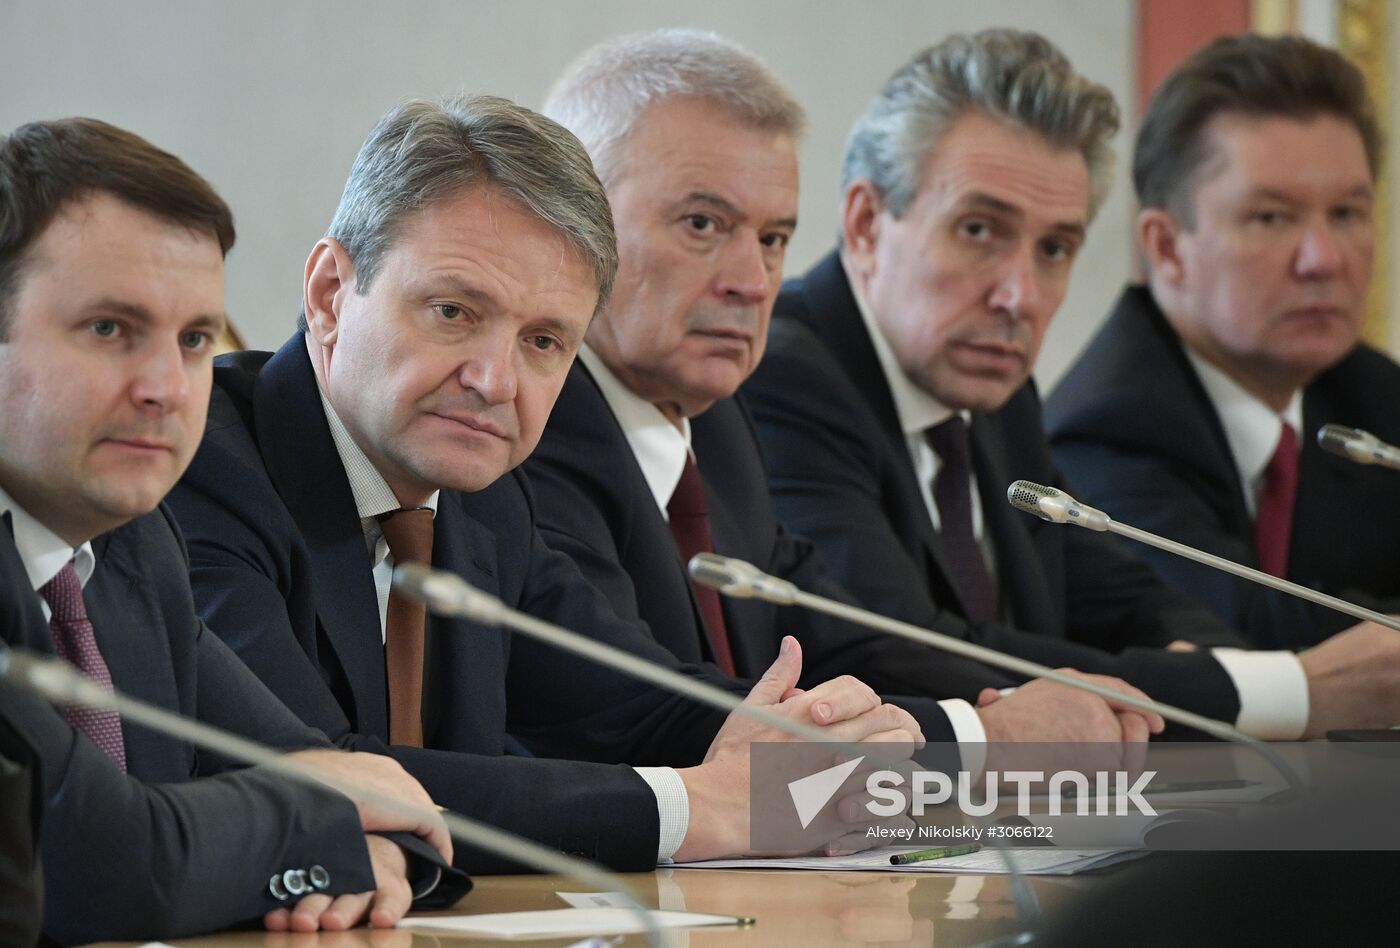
column 861, row 220
column 1159, row 235
column 330, row 278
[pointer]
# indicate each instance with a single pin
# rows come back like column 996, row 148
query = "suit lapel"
column 295, row 442
column 1025, row 590
column 131, row 633
column 838, row 323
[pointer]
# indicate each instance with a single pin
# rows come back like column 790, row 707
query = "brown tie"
column 409, row 533
column 689, row 515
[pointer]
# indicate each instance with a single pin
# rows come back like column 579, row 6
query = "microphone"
column 1357, row 445
column 744, row 580
column 1049, row 503
column 444, row 593
column 60, row 683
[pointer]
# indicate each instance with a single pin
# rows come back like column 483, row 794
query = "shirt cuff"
column 968, row 732
column 672, row 808
column 1273, row 690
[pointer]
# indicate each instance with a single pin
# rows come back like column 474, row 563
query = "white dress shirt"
column 1275, row 681
column 43, row 552
column 374, row 497
column 1272, row 688
column 660, row 448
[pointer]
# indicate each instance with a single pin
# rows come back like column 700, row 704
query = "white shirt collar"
column 1251, row 428
column 42, row 551
column 373, row 495
column 659, row 446
column 916, row 409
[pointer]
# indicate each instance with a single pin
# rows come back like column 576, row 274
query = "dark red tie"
column 690, row 526
column 409, row 533
column 952, row 493
column 1274, row 525
column 76, row 643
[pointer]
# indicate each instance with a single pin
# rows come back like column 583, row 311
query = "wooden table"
column 792, row 908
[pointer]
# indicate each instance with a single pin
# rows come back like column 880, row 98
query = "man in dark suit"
column 702, row 175
column 436, row 334
column 112, row 290
column 895, row 404
column 1246, row 341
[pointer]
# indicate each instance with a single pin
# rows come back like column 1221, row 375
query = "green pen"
column 924, row 855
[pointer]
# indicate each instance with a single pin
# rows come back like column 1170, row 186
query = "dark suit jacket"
column 154, row 853
column 281, row 572
column 595, row 505
column 21, row 807
column 1133, row 428
column 840, row 473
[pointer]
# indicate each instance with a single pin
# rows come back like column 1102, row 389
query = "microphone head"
column 443, row 593
column 741, row 580
column 1028, row 496
column 1336, row 439
column 1050, row 503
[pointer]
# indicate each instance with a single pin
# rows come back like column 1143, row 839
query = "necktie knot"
column 688, row 499
column 950, row 442
column 409, row 533
column 64, row 594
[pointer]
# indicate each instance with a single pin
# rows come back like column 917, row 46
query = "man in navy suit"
column 470, row 249
column 895, row 403
column 1255, row 167
column 111, row 294
column 696, row 140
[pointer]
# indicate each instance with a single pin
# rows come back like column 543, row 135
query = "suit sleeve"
column 127, row 860
column 241, row 591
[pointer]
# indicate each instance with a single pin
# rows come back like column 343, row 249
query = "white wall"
column 270, row 99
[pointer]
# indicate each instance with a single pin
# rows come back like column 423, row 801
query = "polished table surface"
column 790, row 907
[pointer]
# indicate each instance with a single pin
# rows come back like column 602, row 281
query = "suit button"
column 320, row 878
column 278, row 890
column 295, row 882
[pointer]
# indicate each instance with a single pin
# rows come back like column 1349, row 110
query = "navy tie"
column 952, row 492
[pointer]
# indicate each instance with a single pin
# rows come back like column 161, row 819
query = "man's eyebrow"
column 135, row 312
column 1364, row 191
column 730, row 209
column 996, row 205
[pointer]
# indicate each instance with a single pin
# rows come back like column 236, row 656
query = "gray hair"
column 422, row 152
column 603, row 93
column 1019, row 77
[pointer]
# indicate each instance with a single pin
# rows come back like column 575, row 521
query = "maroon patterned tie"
column 76, row 644
column 689, row 514
column 1273, row 528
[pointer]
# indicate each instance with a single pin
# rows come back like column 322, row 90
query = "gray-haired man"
column 440, row 315
column 696, row 141
column 895, row 403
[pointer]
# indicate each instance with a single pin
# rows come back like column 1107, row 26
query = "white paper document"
column 556, row 923
column 1037, row 861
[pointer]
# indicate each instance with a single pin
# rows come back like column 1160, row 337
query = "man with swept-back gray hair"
column 442, row 312
column 895, row 404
